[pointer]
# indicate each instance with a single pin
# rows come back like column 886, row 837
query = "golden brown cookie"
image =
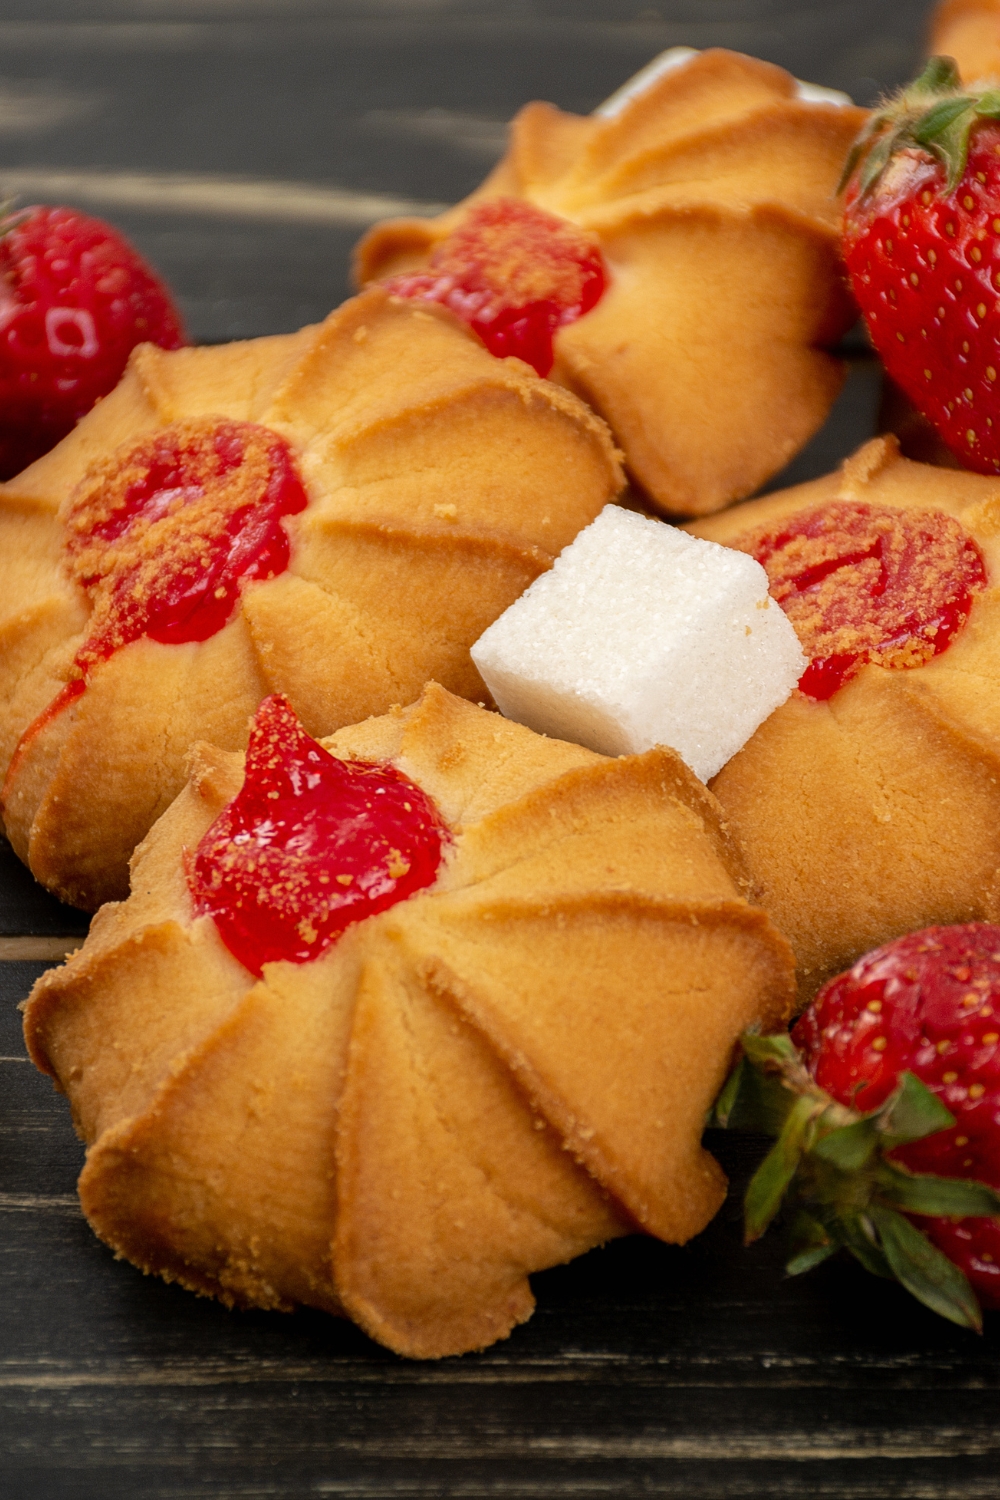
column 968, row 31
column 438, row 482
column 712, row 197
column 490, row 1077
column 877, row 811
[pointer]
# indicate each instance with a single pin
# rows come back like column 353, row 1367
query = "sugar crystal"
column 642, row 635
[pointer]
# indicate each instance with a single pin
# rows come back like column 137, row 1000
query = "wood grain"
column 646, row 1370
column 50, row 949
column 399, row 98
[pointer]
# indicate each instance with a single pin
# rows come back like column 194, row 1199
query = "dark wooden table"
column 244, row 144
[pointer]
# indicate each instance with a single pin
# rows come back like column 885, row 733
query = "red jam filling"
column 515, row 274
column 868, row 584
column 164, row 537
column 310, row 845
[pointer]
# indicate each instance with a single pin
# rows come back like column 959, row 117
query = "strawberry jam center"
column 515, row 274
column 310, row 845
column 164, row 536
column 868, row 584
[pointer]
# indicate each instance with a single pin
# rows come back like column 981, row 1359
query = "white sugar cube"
column 642, row 635
column 678, row 57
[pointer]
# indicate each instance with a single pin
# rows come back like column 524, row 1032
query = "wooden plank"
column 26, row 910
column 646, row 1370
column 49, row 949
column 358, row 99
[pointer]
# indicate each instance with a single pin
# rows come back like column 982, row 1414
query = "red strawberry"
column 75, row 299
column 886, row 1102
column 922, row 244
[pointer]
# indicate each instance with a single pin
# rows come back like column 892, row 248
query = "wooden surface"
column 244, row 145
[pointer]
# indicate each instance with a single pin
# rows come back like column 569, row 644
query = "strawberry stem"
column 829, row 1163
column 933, row 115
column 11, row 216
column 939, row 75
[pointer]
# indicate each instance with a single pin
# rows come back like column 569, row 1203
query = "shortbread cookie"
column 335, row 514
column 682, row 252
column 968, row 31
column 532, row 964
column 869, row 803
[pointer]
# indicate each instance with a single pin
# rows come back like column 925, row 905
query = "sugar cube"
column 642, row 635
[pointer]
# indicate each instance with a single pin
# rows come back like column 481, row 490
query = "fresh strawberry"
column 75, row 299
column 515, row 274
column 921, row 241
column 886, row 1104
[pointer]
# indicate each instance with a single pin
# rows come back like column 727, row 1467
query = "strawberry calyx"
column 11, row 217
column 831, row 1168
column 933, row 115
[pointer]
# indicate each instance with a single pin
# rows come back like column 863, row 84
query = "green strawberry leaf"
column 805, row 1260
column 912, row 1111
column 930, row 1276
column 752, row 1101
column 988, row 105
column 933, row 114
column 809, row 1243
column 850, row 1146
column 721, row 1111
column 768, row 1184
column 940, row 74
column 937, row 119
column 876, row 163
column 11, row 217
column 830, row 1160
column 952, row 147
column 922, row 1193
column 869, row 131
column 778, row 1049
column 857, row 1234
